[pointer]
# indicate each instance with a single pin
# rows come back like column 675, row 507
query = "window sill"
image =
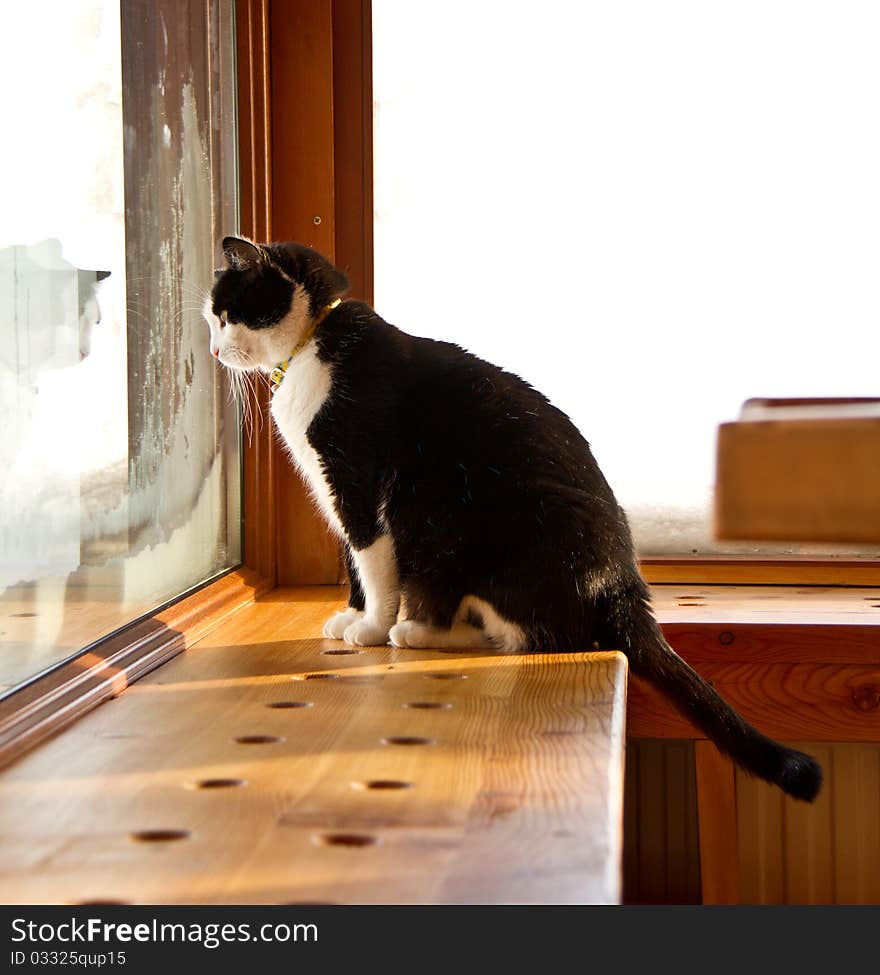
column 52, row 702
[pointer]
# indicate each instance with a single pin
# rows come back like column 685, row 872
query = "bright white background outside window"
column 650, row 210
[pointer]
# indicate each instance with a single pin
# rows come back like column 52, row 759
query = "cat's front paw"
column 409, row 633
column 366, row 633
column 334, row 628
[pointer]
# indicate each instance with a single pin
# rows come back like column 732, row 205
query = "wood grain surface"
column 736, row 570
column 825, row 853
column 260, row 768
column 798, row 662
column 716, row 802
column 817, row 702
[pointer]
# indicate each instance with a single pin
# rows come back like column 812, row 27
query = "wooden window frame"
column 287, row 100
column 305, row 113
column 749, row 571
column 305, row 170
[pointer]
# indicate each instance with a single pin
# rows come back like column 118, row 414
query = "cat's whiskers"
column 248, row 409
column 242, row 401
column 259, row 376
column 255, row 407
column 251, row 378
column 136, row 287
column 242, row 384
column 139, row 315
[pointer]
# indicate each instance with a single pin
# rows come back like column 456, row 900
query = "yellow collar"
column 276, row 376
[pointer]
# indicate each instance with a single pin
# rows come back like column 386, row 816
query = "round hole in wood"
column 382, row 784
column 289, row 704
column 160, row 835
column 220, row 783
column 875, row 605
column 691, row 597
column 691, row 604
column 445, row 676
column 258, row 739
column 428, row 705
column 316, row 677
column 346, row 839
column 22, row 616
column 407, row 740
column 345, row 652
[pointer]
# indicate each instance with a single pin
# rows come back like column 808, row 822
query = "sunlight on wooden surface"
column 260, row 768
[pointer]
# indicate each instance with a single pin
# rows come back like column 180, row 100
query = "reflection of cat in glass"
column 48, row 309
column 51, row 305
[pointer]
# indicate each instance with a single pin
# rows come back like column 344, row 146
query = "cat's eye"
column 223, row 321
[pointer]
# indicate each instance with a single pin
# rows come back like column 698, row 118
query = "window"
column 119, row 445
column 651, row 211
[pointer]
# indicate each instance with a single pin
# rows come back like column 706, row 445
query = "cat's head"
column 265, row 299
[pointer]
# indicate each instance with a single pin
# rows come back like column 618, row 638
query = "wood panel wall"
column 825, row 853
column 661, row 851
column 785, row 852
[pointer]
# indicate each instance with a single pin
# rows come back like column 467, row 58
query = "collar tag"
column 276, row 376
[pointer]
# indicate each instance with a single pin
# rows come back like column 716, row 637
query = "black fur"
column 252, row 291
column 487, row 489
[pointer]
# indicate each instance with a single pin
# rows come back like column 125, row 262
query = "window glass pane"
column 118, row 447
column 651, row 211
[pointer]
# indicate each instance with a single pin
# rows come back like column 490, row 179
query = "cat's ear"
column 241, row 255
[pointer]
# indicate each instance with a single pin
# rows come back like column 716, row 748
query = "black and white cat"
column 455, row 486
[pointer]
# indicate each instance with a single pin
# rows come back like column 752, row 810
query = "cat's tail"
column 633, row 629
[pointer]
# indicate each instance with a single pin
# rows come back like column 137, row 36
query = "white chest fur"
column 296, row 401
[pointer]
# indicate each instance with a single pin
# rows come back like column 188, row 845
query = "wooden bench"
column 517, row 797
column 267, row 766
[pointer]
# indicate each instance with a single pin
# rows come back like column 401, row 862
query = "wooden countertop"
column 263, row 767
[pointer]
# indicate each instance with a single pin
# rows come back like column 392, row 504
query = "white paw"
column 409, row 633
column 365, row 633
column 335, row 627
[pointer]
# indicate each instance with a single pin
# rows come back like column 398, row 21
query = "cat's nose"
column 215, row 353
